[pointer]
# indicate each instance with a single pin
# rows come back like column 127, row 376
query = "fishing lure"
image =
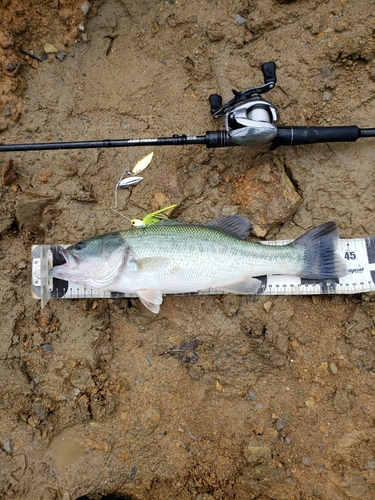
column 132, row 180
column 152, row 218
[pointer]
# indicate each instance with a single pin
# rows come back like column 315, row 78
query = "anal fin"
column 247, row 286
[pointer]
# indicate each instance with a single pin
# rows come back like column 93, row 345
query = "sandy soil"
column 280, row 402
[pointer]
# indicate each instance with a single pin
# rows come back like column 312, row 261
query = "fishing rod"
column 249, row 120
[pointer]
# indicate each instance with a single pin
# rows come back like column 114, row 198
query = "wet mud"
column 216, row 397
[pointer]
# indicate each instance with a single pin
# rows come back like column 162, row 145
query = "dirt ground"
column 279, row 404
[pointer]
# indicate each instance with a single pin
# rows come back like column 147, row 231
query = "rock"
column 6, row 40
column 310, row 403
column 267, row 306
column 39, row 409
column 240, row 20
column 50, row 49
column 257, row 454
column 214, row 32
column 341, row 402
column 7, row 445
column 29, row 211
column 333, row 368
column 11, row 65
column 133, row 472
column 85, row 7
column 280, row 425
column 266, row 194
column 61, row 55
column 8, row 173
column 355, row 487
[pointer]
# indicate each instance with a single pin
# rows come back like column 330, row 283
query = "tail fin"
column 321, row 259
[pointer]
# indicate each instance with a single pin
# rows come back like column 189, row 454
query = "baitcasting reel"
column 249, row 119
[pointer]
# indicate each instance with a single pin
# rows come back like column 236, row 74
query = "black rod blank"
column 286, row 136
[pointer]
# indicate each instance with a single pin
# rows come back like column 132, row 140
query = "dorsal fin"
column 235, row 225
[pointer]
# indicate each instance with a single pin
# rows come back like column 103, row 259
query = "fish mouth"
column 64, row 271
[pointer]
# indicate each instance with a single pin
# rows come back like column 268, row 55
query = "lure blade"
column 129, row 182
column 143, row 163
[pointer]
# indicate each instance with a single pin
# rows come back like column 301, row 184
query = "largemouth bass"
column 168, row 258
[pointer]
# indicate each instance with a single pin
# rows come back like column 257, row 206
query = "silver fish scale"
column 191, row 258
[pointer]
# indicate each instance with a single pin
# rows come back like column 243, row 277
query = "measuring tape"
column 359, row 254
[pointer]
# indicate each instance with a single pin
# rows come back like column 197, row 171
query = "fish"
column 172, row 257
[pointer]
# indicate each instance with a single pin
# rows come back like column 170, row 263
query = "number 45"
column 350, row 255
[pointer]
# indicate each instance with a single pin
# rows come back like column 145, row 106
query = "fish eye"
column 80, row 246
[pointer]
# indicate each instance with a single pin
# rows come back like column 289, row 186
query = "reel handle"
column 216, row 102
column 269, row 73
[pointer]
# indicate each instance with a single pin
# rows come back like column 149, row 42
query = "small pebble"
column 148, row 359
column 7, row 111
column 252, row 395
column 333, row 368
column 39, row 410
column 133, row 472
column 191, row 435
column 85, row 8
column 259, row 407
column 7, row 445
column 267, row 305
column 306, row 461
column 50, row 49
column 240, row 20
column 47, row 348
column 280, row 425
column 22, row 265
column 61, row 55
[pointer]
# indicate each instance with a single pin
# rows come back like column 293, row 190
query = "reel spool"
column 249, row 119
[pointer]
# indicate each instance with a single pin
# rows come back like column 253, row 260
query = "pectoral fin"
column 246, row 287
column 150, row 299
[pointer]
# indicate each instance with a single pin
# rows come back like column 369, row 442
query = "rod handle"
column 294, row 136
